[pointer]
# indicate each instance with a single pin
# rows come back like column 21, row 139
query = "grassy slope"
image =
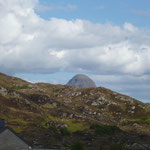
column 40, row 112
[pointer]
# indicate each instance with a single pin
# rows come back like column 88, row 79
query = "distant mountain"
column 56, row 116
column 81, row 81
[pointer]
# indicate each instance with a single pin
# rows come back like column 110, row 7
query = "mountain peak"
column 81, row 81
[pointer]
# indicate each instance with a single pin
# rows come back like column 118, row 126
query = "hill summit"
column 81, row 81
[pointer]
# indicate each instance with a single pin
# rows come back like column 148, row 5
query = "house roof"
column 16, row 134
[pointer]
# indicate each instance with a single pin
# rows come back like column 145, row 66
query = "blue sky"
column 52, row 40
column 101, row 11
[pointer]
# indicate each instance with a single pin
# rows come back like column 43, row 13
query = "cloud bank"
column 30, row 44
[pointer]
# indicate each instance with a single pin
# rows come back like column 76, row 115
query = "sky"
column 52, row 40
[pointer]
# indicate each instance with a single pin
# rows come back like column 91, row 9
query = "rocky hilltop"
column 81, row 81
column 49, row 115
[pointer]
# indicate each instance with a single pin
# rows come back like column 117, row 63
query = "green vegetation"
column 79, row 133
column 49, row 106
column 49, row 118
column 145, row 120
column 117, row 147
column 104, row 129
column 77, row 146
column 65, row 132
column 66, row 145
column 142, row 121
column 73, row 127
column 101, row 106
column 53, row 130
column 129, row 122
column 19, row 87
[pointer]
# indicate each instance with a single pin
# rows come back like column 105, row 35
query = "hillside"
column 49, row 115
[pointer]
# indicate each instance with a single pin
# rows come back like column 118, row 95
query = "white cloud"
column 129, row 27
column 58, row 54
column 10, row 28
column 29, row 43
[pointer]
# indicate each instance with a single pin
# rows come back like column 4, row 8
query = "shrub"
column 77, row 146
column 53, row 130
column 145, row 120
column 101, row 106
column 116, row 147
column 79, row 133
column 105, row 129
column 64, row 131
